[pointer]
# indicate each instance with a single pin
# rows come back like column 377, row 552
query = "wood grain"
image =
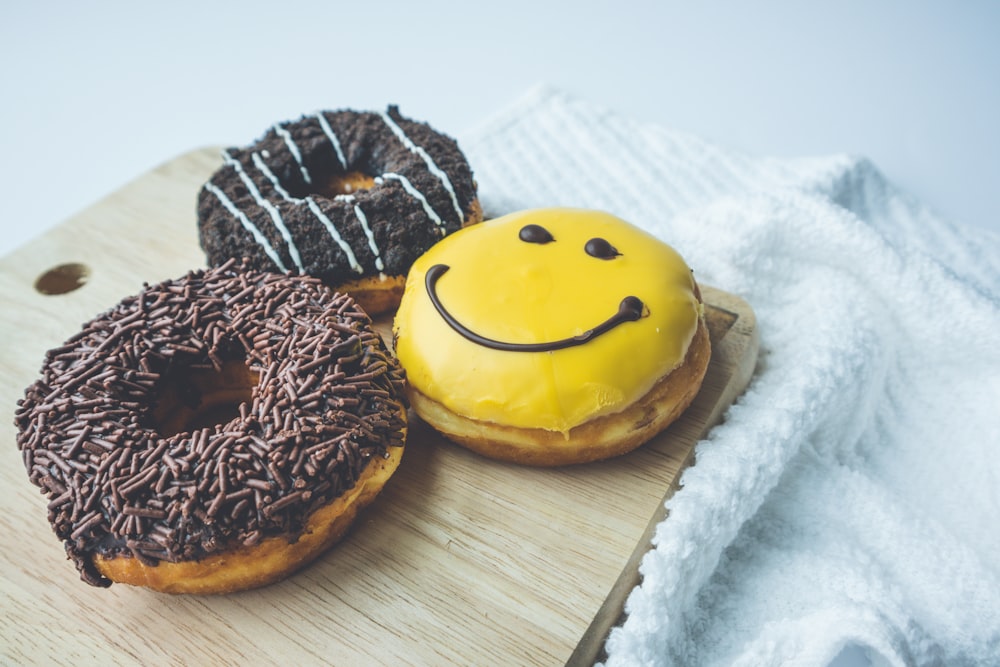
column 461, row 560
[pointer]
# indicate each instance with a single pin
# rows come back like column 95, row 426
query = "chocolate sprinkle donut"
column 281, row 202
column 326, row 400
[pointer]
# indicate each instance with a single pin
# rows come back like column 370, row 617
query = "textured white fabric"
column 851, row 494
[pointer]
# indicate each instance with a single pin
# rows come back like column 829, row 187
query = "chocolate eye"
column 535, row 234
column 601, row 249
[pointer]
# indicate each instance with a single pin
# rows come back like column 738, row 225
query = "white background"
column 94, row 94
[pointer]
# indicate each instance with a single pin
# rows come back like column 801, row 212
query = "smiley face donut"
column 352, row 198
column 213, row 433
column 551, row 336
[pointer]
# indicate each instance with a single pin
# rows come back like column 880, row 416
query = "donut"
column 351, row 198
column 213, row 433
column 551, row 337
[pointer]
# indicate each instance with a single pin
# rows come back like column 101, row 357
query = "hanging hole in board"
column 63, row 278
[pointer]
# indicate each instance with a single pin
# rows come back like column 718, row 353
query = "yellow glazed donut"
column 551, row 336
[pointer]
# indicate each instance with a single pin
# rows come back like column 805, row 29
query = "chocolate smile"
column 629, row 310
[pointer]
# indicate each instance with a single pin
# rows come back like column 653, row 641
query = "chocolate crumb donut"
column 213, row 433
column 352, row 198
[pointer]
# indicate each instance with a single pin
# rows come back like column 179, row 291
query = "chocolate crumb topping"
column 323, row 398
column 339, row 195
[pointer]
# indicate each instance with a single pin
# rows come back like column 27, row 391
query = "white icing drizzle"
column 249, row 226
column 371, row 237
column 328, row 131
column 287, row 137
column 314, row 207
column 316, row 210
column 443, row 177
column 262, row 166
column 267, row 206
column 416, row 194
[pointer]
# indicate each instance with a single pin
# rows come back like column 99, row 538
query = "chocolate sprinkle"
column 327, row 400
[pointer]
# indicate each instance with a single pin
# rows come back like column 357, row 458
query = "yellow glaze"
column 510, row 290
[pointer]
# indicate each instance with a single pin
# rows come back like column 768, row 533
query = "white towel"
column 851, row 497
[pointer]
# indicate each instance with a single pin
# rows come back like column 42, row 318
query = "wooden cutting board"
column 461, row 560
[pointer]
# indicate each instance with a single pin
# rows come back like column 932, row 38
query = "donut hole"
column 193, row 398
column 346, row 183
